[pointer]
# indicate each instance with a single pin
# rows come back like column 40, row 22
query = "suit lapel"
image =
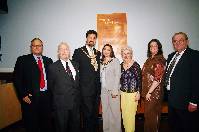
column 60, row 67
column 44, row 61
column 76, row 69
column 182, row 59
column 34, row 63
column 95, row 51
column 33, row 60
column 85, row 49
column 170, row 58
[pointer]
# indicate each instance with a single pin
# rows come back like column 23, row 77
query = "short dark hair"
column 160, row 52
column 35, row 40
column 91, row 32
column 112, row 55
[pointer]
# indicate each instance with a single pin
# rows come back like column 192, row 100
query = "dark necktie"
column 68, row 70
column 169, row 69
column 42, row 81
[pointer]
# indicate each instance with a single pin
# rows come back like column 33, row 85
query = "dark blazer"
column 65, row 90
column 27, row 75
column 184, row 82
column 89, row 78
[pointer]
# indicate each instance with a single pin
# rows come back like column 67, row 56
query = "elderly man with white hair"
column 64, row 85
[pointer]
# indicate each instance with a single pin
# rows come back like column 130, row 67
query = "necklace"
column 106, row 61
column 128, row 65
column 104, row 65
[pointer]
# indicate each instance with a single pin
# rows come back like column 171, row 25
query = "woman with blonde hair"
column 130, row 88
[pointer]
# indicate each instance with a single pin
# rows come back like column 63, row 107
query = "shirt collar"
column 36, row 57
column 65, row 61
column 89, row 48
column 182, row 52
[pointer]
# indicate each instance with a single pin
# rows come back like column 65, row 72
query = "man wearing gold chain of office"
column 88, row 59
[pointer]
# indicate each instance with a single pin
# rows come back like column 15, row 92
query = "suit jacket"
column 89, row 78
column 27, row 75
column 65, row 90
column 184, row 82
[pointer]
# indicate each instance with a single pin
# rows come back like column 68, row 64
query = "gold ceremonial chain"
column 93, row 60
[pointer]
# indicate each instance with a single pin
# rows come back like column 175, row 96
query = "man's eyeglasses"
column 37, row 46
column 179, row 41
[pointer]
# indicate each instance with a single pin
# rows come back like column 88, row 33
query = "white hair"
column 63, row 43
column 127, row 48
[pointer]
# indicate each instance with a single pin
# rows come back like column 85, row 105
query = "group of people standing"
column 64, row 88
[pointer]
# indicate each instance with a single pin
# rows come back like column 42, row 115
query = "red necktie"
column 42, row 81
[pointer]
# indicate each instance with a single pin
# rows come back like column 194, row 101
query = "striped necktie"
column 169, row 69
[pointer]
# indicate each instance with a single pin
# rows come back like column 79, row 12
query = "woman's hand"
column 137, row 96
column 114, row 96
column 148, row 96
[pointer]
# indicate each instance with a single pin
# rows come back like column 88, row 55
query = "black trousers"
column 182, row 120
column 196, row 120
column 67, row 120
column 90, row 112
column 37, row 115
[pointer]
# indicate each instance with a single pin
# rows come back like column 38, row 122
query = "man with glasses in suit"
column 30, row 81
column 182, row 83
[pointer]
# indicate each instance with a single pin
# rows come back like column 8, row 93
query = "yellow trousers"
column 129, row 108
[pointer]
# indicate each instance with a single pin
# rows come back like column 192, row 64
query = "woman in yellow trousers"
column 130, row 88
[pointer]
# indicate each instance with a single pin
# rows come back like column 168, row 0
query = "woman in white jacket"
column 110, row 73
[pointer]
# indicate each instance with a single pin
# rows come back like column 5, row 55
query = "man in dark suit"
column 182, row 83
column 88, row 59
column 30, row 80
column 64, row 85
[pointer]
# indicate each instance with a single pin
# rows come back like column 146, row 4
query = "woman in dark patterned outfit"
column 152, row 91
column 130, row 88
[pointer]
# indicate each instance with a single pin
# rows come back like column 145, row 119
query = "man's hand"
column 27, row 99
column 192, row 107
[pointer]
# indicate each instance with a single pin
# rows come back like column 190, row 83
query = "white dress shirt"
column 90, row 50
column 70, row 66
column 36, row 58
